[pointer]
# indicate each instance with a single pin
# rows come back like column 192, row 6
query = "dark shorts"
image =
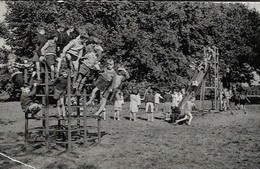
column 50, row 59
column 102, row 83
column 18, row 80
column 242, row 101
column 84, row 70
column 58, row 94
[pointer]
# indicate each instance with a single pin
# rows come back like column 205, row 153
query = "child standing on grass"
column 27, row 101
column 60, row 89
column 134, row 103
column 167, row 104
column 149, row 101
column 243, row 100
column 157, row 98
column 117, row 105
column 174, row 98
column 49, row 51
column 187, row 111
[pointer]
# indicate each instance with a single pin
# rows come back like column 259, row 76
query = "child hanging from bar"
column 28, row 104
column 104, row 80
column 60, row 89
column 87, row 63
column 49, row 51
column 109, row 92
column 187, row 112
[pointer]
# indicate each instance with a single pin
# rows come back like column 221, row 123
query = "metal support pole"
column 99, row 130
column 26, row 130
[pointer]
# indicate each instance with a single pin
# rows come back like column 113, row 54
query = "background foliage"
column 156, row 41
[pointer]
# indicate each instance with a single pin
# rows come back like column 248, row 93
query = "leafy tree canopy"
column 156, row 41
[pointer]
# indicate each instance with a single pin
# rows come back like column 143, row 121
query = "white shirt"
column 157, row 97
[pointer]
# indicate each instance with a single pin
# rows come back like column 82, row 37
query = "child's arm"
column 67, row 47
column 33, row 91
column 3, row 65
column 45, row 46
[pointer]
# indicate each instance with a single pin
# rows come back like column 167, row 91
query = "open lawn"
column 213, row 141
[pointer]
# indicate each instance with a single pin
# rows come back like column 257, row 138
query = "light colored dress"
column 134, row 101
column 118, row 103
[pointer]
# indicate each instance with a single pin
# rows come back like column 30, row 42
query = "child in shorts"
column 109, row 93
column 167, row 105
column 87, row 63
column 49, row 51
column 149, row 102
column 104, row 80
column 27, row 101
column 187, row 111
column 60, row 89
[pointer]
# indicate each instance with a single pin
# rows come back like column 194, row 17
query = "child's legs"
column 102, row 106
column 118, row 114
column 62, row 106
column 190, row 117
column 82, row 83
column 93, row 95
column 59, row 107
column 131, row 115
column 78, row 80
column 34, row 108
column 52, row 72
column 59, row 60
column 134, row 116
column 38, row 70
column 185, row 118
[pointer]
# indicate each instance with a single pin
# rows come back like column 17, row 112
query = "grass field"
column 213, row 141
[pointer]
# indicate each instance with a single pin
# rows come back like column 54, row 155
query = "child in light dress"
column 118, row 105
column 135, row 102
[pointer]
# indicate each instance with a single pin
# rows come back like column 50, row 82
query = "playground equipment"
column 206, row 79
column 77, row 128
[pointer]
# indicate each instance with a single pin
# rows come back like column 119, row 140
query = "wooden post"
column 99, row 130
column 26, row 130
column 69, row 111
column 47, row 106
column 85, row 116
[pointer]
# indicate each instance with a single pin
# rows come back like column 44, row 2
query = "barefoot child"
column 243, row 100
column 27, row 101
column 187, row 111
column 149, row 101
column 60, row 89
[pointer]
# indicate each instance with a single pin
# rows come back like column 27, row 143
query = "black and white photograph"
column 124, row 84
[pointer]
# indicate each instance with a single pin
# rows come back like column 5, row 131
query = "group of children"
column 62, row 52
